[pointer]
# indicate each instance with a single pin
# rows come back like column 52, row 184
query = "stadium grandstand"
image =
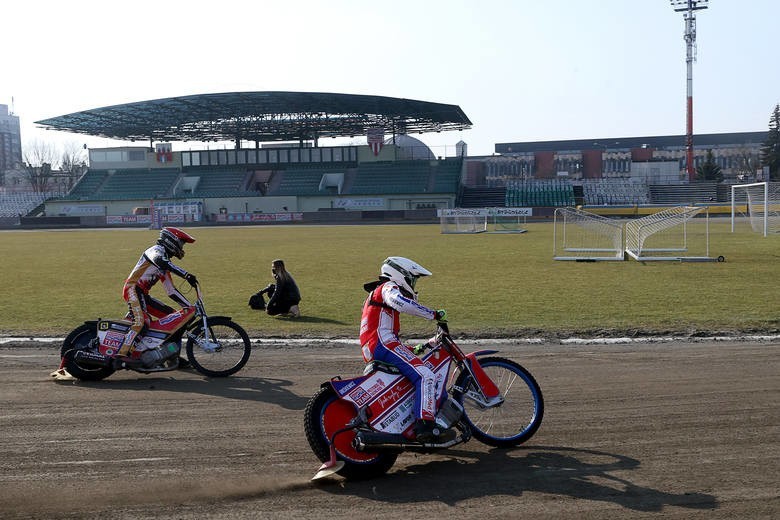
column 275, row 166
column 607, row 173
column 265, row 161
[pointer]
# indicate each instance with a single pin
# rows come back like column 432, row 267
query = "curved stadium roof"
column 261, row 117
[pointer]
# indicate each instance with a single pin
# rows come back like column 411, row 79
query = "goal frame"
column 463, row 221
column 767, row 204
column 508, row 220
column 639, row 230
column 601, row 229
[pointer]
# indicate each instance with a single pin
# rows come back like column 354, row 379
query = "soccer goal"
column 508, row 220
column 761, row 201
column 669, row 235
column 463, row 220
column 586, row 237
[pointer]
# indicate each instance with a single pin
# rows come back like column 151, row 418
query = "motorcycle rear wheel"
column 230, row 355
column 81, row 339
column 517, row 418
column 323, row 416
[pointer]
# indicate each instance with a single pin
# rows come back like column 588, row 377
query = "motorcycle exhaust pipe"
column 379, row 441
column 371, row 441
column 92, row 358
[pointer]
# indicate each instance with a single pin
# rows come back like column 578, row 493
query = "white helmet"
column 403, row 272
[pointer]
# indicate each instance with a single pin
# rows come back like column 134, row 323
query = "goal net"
column 759, row 204
column 668, row 235
column 463, row 220
column 583, row 236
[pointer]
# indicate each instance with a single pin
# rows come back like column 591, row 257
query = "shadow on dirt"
column 261, row 389
column 581, row 474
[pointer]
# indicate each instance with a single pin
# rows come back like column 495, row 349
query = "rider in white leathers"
column 379, row 326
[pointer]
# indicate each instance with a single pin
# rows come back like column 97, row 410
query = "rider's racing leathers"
column 153, row 266
column 379, row 326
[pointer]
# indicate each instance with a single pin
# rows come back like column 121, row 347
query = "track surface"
column 669, row 430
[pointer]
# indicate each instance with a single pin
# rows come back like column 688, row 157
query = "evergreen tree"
column 770, row 151
column 709, row 170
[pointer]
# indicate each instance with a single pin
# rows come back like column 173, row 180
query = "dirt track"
column 644, row 430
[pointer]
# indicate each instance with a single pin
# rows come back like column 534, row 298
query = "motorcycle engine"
column 449, row 413
column 157, row 355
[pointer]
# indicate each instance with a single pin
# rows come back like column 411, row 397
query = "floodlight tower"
column 688, row 7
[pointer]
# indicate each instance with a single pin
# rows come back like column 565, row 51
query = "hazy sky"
column 520, row 70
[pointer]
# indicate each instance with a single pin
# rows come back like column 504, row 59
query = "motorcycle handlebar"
column 442, row 332
column 443, row 327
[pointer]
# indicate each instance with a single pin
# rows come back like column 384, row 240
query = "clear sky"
column 520, row 70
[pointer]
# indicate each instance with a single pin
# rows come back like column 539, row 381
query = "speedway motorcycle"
column 357, row 427
column 215, row 345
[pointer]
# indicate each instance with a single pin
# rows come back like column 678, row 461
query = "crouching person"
column 283, row 294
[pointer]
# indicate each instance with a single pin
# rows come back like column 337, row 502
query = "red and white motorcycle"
column 357, row 427
column 215, row 345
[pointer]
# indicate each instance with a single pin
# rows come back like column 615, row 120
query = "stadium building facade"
column 737, row 154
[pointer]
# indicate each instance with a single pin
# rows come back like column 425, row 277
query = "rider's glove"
column 419, row 348
column 191, row 279
column 440, row 316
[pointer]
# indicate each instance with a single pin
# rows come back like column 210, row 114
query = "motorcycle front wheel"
column 516, row 419
column 82, row 339
column 223, row 353
column 324, row 415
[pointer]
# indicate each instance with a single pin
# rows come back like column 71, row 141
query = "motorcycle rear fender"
column 343, row 387
column 327, row 383
column 488, row 387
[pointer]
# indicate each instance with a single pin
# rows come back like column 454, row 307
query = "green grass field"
column 492, row 285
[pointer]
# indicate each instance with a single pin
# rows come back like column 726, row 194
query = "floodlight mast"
column 688, row 7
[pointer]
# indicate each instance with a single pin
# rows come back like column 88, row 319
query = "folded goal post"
column 666, row 235
column 586, row 237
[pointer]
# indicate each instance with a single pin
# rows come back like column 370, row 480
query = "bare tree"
column 73, row 163
column 747, row 163
column 38, row 159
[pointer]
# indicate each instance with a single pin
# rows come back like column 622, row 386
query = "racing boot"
column 428, row 432
column 123, row 359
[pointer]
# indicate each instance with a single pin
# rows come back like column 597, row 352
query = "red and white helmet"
column 173, row 240
column 404, row 273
